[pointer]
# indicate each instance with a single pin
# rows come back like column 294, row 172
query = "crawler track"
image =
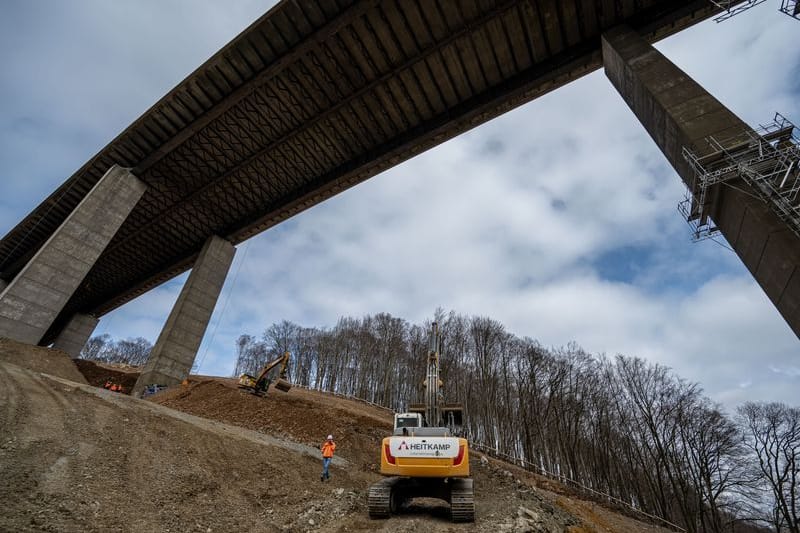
column 386, row 497
column 462, row 501
column 379, row 498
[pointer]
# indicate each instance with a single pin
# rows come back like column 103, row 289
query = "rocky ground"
column 207, row 457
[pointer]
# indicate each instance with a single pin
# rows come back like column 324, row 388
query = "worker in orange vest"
column 328, row 447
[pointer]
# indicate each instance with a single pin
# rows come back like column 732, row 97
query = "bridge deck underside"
column 313, row 98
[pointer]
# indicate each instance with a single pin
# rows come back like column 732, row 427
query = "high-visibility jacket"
column 328, row 448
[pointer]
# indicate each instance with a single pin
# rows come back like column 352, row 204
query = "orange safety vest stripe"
column 328, row 448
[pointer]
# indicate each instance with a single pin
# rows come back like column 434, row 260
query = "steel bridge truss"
column 766, row 159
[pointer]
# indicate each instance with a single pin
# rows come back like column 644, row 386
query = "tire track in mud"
column 46, row 453
column 33, row 450
column 14, row 405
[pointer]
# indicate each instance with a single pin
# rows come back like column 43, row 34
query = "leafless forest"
column 620, row 426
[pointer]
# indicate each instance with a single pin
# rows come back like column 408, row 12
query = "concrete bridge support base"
column 677, row 112
column 74, row 336
column 34, row 298
column 176, row 348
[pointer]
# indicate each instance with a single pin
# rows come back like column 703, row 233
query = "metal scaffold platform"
column 733, row 7
column 791, row 8
column 763, row 162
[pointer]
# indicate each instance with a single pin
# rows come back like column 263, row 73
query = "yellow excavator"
column 258, row 385
column 424, row 457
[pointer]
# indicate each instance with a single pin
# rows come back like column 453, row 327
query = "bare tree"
column 251, row 355
column 95, row 347
column 623, row 426
column 772, row 433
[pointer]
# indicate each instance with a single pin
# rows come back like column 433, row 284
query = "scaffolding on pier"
column 766, row 160
column 791, row 8
column 731, row 8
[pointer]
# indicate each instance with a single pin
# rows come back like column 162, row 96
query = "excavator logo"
column 403, row 446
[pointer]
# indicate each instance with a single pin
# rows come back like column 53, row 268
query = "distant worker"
column 107, row 385
column 328, row 447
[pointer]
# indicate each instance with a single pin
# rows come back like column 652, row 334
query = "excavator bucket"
column 282, row 385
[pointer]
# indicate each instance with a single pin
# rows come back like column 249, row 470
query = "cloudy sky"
column 558, row 219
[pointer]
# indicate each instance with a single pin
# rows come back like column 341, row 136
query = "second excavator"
column 259, row 385
column 424, row 456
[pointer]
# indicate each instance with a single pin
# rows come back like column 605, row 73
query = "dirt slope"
column 507, row 498
column 39, row 359
column 97, row 374
column 78, row 458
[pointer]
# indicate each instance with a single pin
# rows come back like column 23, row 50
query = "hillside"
column 205, row 457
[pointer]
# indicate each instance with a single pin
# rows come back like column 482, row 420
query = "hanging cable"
column 246, row 247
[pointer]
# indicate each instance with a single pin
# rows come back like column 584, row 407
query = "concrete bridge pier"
column 76, row 334
column 677, row 112
column 176, row 348
column 33, row 299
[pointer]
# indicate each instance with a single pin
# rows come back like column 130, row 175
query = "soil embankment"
column 207, row 457
column 98, row 374
column 40, row 359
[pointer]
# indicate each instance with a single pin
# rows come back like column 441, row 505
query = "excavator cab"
column 259, row 385
column 407, row 423
column 452, row 415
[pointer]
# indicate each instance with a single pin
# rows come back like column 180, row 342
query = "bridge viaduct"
column 317, row 96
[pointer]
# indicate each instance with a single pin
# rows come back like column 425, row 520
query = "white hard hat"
column 330, row 437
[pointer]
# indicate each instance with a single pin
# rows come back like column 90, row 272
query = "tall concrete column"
column 677, row 112
column 76, row 334
column 176, row 348
column 34, row 298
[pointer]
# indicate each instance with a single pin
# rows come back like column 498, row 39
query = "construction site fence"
column 494, row 452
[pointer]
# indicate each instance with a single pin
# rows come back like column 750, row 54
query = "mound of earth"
column 97, row 374
column 301, row 415
column 78, row 458
column 507, row 498
column 40, row 359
